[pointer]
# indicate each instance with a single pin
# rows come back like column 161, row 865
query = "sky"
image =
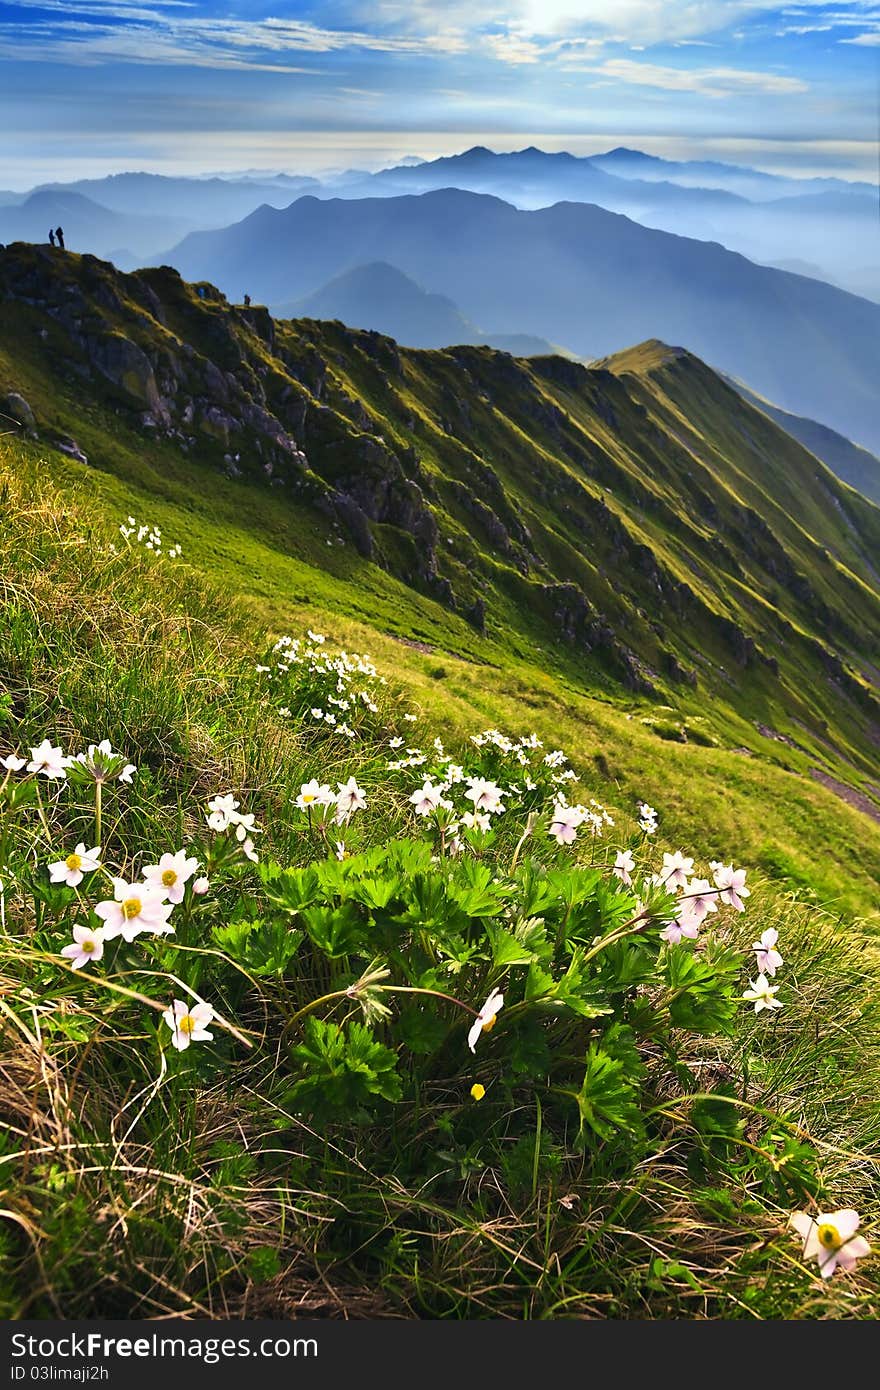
column 90, row 87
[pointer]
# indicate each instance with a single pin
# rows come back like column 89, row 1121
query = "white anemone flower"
column 624, row 866
column 188, row 1024
column 12, row 762
column 71, row 870
column 830, row 1239
column 314, row 793
column 171, row 875
column 48, row 760
column 87, row 945
column 135, row 908
column 485, row 1020
column 762, row 994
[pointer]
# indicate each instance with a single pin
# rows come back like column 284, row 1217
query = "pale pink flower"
column 476, row 820
column 486, row 796
column 564, row 823
column 624, row 866
column 768, row 959
column 427, row 798
column 485, row 1020
column 682, row 926
column 349, row 799
column 135, row 908
column 171, row 875
column 699, row 898
column 732, row 883
column 188, row 1024
column 87, row 945
column 12, row 763
column 830, row 1239
column 676, row 868
column 201, row 886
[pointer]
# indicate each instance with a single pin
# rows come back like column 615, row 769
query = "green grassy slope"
column 668, row 584
column 849, row 461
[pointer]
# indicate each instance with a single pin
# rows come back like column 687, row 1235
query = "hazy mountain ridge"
column 578, row 275
column 639, row 517
column 787, row 220
column 379, row 296
column 828, row 223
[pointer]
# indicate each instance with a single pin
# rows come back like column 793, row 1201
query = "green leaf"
column 506, row 950
column 341, row 1071
column 607, row 1099
column 292, row 889
column 337, row 931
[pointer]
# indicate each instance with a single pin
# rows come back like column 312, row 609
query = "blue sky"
column 94, row 86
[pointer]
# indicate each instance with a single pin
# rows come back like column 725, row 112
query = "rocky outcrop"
column 14, row 408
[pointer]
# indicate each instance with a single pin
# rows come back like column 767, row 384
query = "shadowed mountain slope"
column 380, row 297
column 854, row 465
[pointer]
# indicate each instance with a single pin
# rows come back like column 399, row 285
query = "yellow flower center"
column 87, row 946
column 131, row 908
column 489, row 1023
column 169, row 878
column 186, row 1024
column 478, row 1091
column 829, row 1236
column 308, row 796
column 73, row 862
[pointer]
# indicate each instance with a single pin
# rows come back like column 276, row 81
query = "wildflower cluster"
column 140, row 906
column 136, row 533
column 334, row 692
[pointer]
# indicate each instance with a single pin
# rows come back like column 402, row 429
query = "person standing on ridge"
column 51, row 236
column 247, row 301
column 60, row 235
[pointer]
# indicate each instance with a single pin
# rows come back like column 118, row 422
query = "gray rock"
column 15, row 407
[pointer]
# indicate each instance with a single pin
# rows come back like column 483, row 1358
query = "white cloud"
column 869, row 40
column 710, row 82
column 131, row 33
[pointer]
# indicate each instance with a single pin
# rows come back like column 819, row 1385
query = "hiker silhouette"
column 51, row 236
column 247, row 301
column 60, row 235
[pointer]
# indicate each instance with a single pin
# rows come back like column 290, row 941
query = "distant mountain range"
column 380, row 297
column 827, row 222
column 572, row 274
column 828, row 226
column 131, row 217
